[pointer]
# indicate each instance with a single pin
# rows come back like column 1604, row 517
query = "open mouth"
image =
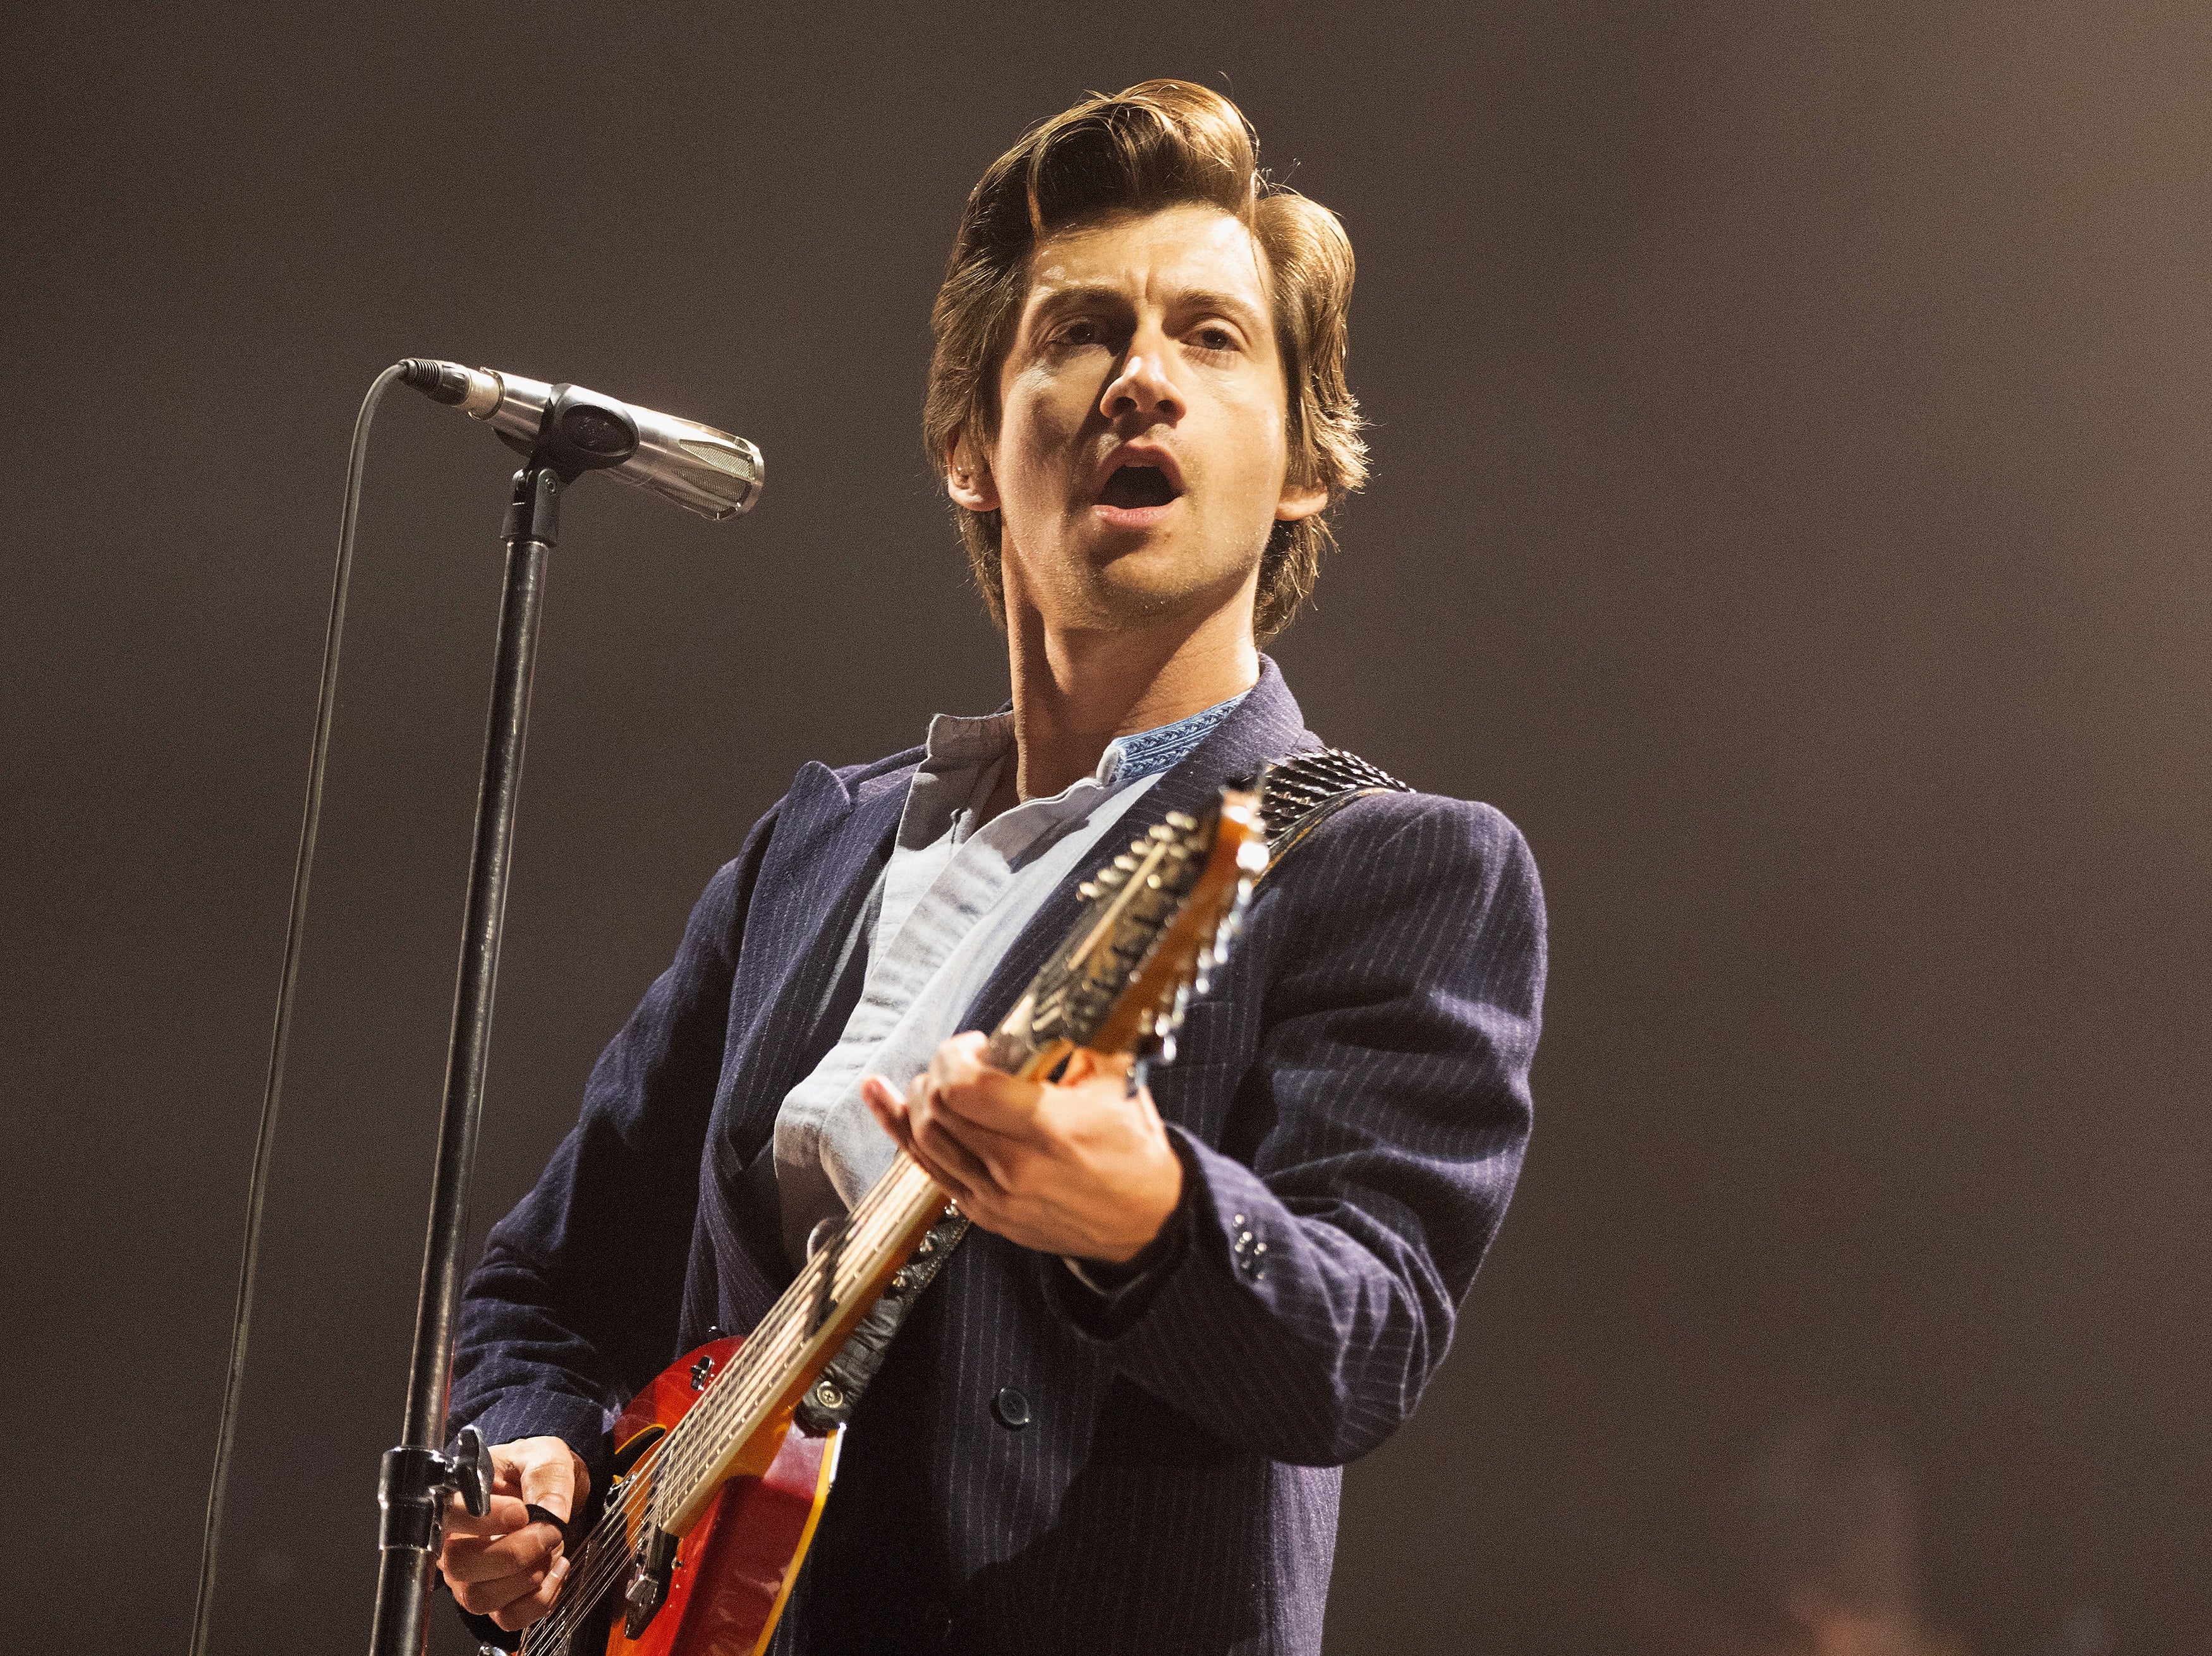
column 1132, row 487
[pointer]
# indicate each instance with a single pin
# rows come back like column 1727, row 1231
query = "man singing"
column 1117, row 1420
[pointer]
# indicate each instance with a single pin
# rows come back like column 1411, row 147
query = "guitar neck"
column 1158, row 916
column 1108, row 986
column 725, row 1429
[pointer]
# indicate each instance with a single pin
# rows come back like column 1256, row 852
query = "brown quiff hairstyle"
column 1161, row 144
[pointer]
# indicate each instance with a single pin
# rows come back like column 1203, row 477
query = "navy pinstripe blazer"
column 1353, row 1093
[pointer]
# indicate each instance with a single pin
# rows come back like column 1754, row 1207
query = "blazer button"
column 1010, row 1408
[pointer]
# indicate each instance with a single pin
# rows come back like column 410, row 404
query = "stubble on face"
column 1146, row 347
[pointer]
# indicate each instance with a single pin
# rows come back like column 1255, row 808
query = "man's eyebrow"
column 1059, row 298
column 1232, row 306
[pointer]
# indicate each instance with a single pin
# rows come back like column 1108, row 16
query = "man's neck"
column 1074, row 691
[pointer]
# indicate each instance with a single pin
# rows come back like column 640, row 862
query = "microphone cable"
column 256, row 1188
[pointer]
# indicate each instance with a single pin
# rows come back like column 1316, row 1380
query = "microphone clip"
column 580, row 430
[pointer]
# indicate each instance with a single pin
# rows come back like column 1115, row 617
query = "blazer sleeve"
column 574, row 1305
column 1385, row 1116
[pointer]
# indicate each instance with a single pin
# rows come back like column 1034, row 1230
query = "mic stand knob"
column 413, row 1485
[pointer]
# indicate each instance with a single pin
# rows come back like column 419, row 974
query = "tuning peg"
column 1158, row 1045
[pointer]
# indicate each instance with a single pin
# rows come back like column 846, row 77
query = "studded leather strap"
column 1298, row 794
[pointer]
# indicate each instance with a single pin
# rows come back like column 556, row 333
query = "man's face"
column 1141, row 448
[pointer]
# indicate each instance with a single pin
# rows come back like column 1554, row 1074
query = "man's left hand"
column 1080, row 1167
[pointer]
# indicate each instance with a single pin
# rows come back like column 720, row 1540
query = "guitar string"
column 694, row 1451
column 693, row 1454
column 612, row 1560
column 560, row 1620
column 684, row 1460
column 749, row 1392
column 608, row 1559
column 639, row 1486
column 644, row 1482
column 753, row 1381
column 686, row 1457
column 700, row 1444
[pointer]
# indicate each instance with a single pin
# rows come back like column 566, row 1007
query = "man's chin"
column 1146, row 583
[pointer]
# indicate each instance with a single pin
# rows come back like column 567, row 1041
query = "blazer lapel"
column 834, row 843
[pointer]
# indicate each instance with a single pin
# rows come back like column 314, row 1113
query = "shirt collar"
column 959, row 741
column 1146, row 753
column 965, row 755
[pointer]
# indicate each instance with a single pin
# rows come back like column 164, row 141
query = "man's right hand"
column 505, row 1565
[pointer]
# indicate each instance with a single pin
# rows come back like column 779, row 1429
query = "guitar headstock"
column 1158, row 919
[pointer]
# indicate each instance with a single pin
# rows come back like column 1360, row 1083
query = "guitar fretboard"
column 1115, row 985
column 771, row 1368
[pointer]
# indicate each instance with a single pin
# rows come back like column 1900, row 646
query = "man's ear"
column 1300, row 500
column 967, row 478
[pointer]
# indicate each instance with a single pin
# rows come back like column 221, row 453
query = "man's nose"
column 1143, row 387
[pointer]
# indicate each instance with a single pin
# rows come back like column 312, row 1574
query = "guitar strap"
column 1296, row 796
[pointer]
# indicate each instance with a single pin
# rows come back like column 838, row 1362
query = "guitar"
column 717, row 1487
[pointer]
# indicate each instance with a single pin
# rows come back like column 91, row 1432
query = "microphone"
column 711, row 472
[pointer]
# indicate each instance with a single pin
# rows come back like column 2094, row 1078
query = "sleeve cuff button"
column 1249, row 1252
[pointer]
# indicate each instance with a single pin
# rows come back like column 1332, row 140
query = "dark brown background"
column 1790, row 503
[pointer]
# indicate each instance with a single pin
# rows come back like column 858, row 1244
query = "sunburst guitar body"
column 733, row 1572
column 717, row 1491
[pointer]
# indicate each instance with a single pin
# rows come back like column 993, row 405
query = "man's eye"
column 1078, row 333
column 1216, row 339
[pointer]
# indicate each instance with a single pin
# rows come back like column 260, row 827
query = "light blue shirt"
column 952, row 901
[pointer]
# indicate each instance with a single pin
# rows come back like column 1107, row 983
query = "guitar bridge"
column 652, row 1567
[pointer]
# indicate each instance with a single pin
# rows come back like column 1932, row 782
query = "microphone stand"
column 417, row 1477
